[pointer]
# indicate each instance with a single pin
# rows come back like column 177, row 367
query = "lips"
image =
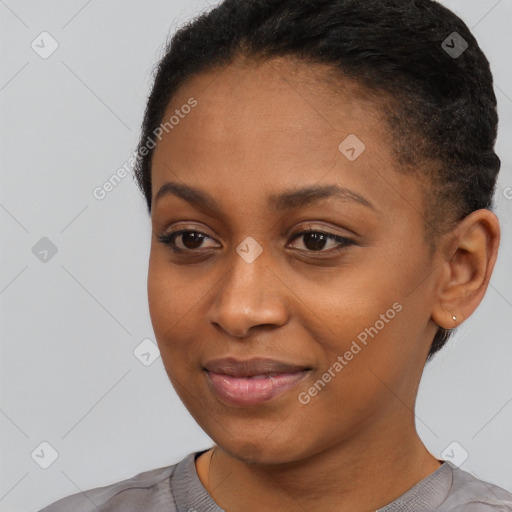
column 253, row 381
column 251, row 367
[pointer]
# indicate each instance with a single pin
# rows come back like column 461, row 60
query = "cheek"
column 176, row 306
column 374, row 359
column 361, row 371
column 160, row 297
column 349, row 305
column 363, row 335
column 168, row 300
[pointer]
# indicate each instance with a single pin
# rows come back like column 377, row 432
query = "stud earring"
column 454, row 318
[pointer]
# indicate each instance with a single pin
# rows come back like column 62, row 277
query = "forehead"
column 259, row 127
column 277, row 95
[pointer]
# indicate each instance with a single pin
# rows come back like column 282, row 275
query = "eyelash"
column 169, row 240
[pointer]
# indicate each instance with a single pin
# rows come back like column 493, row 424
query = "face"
column 282, row 343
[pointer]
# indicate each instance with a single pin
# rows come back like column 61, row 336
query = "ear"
column 467, row 257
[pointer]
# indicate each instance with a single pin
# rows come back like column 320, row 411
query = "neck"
column 361, row 475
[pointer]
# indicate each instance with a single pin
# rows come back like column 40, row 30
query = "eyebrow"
column 287, row 200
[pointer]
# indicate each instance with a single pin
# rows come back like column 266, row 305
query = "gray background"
column 70, row 324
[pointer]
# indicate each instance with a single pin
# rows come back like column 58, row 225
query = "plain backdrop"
column 73, row 268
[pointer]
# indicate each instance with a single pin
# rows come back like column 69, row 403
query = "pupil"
column 317, row 239
column 192, row 240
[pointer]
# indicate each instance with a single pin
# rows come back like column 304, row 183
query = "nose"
column 248, row 296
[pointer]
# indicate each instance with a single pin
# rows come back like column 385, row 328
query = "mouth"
column 252, row 382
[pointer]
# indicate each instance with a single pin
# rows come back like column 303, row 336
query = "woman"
column 319, row 175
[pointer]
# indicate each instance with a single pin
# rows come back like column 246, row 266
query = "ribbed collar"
column 189, row 493
column 427, row 494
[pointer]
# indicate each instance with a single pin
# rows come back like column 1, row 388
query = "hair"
column 440, row 107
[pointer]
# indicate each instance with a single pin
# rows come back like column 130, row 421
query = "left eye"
column 313, row 241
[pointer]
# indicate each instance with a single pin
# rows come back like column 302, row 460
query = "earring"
column 454, row 318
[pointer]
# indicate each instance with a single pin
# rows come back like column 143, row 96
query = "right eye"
column 189, row 240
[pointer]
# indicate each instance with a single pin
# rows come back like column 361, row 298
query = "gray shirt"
column 177, row 488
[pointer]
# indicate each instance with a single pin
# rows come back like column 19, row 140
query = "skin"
column 262, row 129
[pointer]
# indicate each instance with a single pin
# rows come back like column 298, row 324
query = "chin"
column 266, row 452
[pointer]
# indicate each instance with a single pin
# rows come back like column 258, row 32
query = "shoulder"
column 133, row 494
column 470, row 494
